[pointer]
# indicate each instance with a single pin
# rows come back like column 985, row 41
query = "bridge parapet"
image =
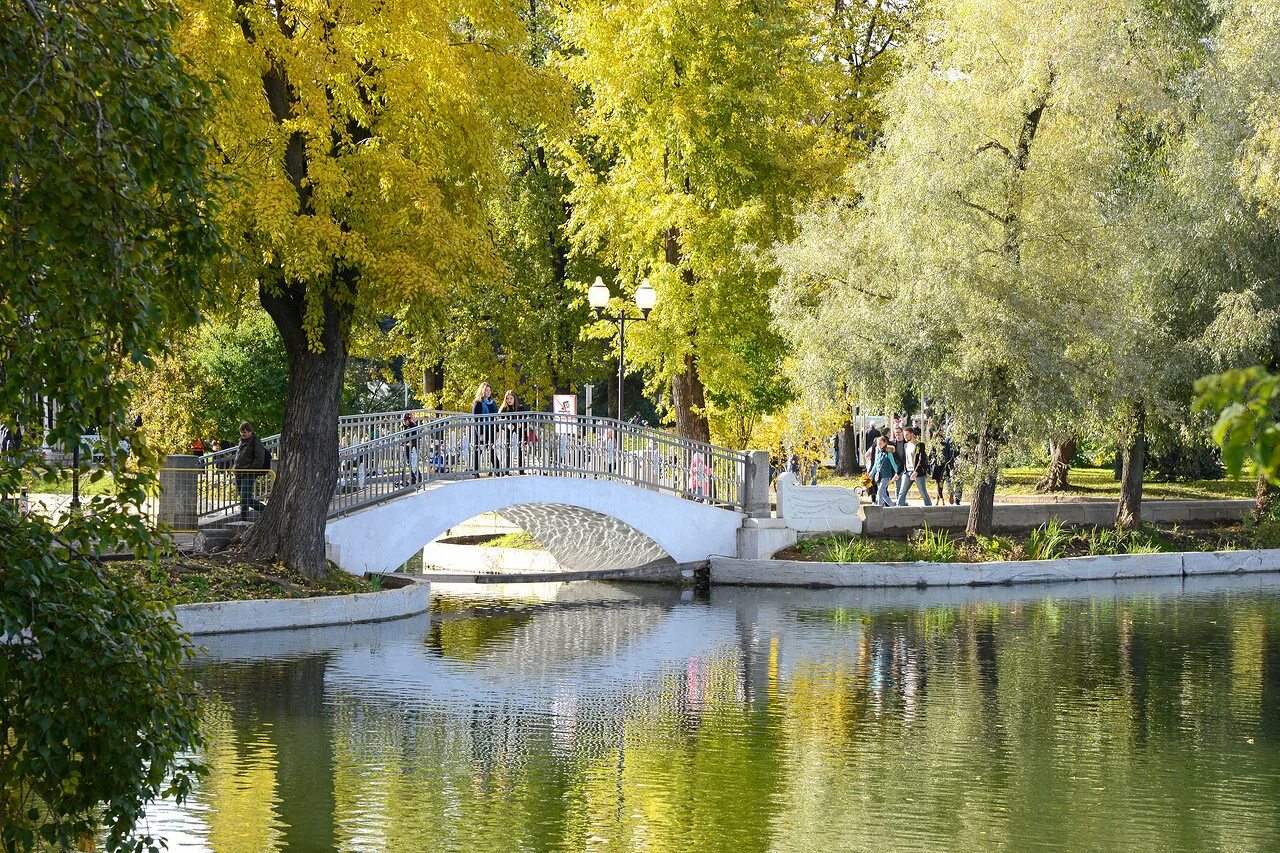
column 456, row 446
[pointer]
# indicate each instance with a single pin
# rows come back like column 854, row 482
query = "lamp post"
column 598, row 299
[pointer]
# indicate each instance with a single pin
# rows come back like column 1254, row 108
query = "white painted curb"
column 232, row 617
column 725, row 570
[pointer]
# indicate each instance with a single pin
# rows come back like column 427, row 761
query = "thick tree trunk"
column 848, row 450
column 690, row 402
column 982, row 504
column 1267, row 498
column 292, row 526
column 1061, row 451
column 1133, row 460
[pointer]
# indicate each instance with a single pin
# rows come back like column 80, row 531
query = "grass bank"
column 1048, row 542
column 216, row 577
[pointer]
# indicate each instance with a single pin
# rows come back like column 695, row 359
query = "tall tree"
column 104, row 240
column 366, row 137
column 697, row 150
column 974, row 259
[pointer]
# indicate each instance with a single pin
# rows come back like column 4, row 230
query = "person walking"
column 252, row 459
column 915, row 469
column 869, row 446
column 409, row 427
column 898, row 444
column 485, row 410
column 884, row 468
column 942, row 466
column 514, row 430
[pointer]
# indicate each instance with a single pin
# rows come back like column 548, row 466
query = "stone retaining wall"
column 799, row 573
column 232, row 617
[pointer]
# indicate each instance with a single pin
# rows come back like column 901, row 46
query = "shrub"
column 934, row 546
column 1048, row 541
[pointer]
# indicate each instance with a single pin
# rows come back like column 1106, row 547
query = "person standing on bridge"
column 514, row 430
column 408, row 424
column 251, row 461
column 485, row 411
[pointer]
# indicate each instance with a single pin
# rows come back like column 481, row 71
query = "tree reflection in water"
column 1122, row 716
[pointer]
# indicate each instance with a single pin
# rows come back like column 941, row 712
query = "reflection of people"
column 251, row 460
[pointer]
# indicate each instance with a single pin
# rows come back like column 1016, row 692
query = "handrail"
column 349, row 427
column 454, row 446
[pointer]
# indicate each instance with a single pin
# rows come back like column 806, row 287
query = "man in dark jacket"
column 251, row 461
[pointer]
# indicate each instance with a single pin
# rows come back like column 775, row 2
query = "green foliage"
column 694, row 147
column 93, row 697
column 935, row 546
column 228, row 371
column 1263, row 531
column 104, row 241
column 1048, row 541
column 1248, row 425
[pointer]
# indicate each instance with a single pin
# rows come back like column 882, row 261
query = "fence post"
column 755, row 493
column 179, row 481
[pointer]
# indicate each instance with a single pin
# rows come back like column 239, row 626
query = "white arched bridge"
column 596, row 492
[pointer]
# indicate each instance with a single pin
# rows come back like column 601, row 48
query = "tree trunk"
column 690, row 402
column 982, row 504
column 687, row 394
column 848, row 450
column 1133, row 460
column 292, row 526
column 1267, row 498
column 1061, row 451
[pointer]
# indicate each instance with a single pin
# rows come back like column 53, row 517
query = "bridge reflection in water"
column 1101, row 716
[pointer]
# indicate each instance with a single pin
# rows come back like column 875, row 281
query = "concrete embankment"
column 725, row 570
column 232, row 617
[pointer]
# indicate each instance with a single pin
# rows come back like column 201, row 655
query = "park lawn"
column 61, row 485
column 1100, row 483
column 215, row 577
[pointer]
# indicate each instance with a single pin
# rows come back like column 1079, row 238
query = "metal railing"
column 352, row 429
column 192, row 498
column 455, row 446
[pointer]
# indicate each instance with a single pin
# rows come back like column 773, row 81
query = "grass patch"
column 215, row 577
column 1047, row 542
column 519, row 539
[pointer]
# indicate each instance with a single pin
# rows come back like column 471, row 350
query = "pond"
column 1119, row 716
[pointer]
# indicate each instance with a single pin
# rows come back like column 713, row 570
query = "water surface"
column 1118, row 716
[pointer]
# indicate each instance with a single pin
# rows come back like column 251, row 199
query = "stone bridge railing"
column 454, row 446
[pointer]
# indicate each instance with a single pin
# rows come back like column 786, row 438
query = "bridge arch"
column 381, row 537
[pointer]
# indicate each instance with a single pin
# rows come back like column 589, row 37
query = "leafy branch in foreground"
column 1248, row 426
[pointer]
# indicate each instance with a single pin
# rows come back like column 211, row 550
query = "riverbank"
column 220, row 577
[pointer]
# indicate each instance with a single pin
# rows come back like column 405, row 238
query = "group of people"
column 902, row 458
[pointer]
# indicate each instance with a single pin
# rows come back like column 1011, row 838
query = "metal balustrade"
column 352, row 429
column 456, row 446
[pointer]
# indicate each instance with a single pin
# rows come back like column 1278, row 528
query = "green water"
column 1127, row 716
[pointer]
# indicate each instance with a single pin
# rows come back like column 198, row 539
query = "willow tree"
column 694, row 151
column 974, row 266
column 364, row 137
column 1241, row 88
